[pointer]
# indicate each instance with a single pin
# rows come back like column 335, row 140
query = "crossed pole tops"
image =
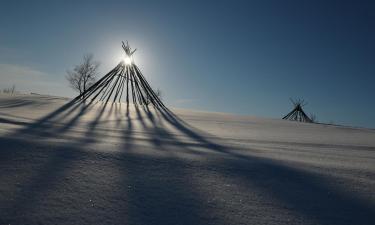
column 128, row 49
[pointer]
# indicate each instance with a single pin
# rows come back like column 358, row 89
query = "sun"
column 128, row 60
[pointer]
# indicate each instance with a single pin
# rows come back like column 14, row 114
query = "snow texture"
column 110, row 164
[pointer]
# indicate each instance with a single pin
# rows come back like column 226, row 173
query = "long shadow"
column 54, row 164
column 315, row 197
column 46, row 175
column 48, row 121
column 50, row 167
column 310, row 195
column 94, row 123
column 160, row 135
column 160, row 189
column 56, row 122
column 14, row 122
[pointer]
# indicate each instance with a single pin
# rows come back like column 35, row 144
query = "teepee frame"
column 297, row 114
column 124, row 82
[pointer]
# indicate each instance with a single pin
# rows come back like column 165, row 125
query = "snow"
column 104, row 164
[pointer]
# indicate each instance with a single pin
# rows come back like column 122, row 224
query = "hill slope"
column 110, row 164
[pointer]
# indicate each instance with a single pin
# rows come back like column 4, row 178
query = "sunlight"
column 127, row 60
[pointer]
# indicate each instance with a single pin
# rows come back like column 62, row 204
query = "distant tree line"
column 11, row 90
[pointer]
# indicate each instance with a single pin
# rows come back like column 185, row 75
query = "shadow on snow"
column 127, row 187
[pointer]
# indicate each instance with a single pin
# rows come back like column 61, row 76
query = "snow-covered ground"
column 109, row 164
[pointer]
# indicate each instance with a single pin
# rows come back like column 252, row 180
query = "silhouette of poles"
column 297, row 114
column 124, row 76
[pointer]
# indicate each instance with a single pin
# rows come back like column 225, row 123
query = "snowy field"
column 109, row 164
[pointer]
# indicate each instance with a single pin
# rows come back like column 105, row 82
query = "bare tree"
column 83, row 75
column 11, row 90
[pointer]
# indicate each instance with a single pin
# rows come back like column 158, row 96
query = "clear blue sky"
column 245, row 57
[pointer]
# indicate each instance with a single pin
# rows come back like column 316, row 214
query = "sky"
column 242, row 57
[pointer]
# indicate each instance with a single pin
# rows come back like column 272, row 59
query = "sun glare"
column 127, row 60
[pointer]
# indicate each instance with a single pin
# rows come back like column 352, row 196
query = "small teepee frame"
column 297, row 114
